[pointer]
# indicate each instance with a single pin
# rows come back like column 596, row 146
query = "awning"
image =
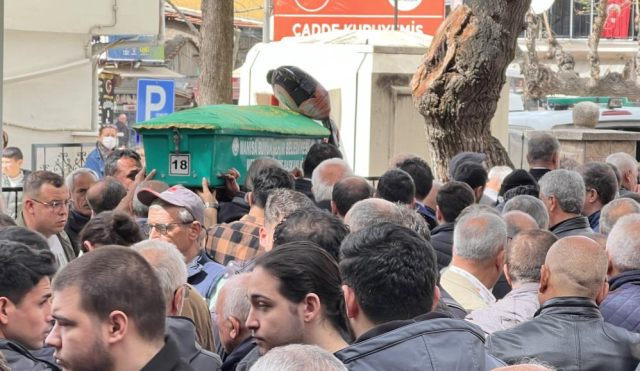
column 144, row 72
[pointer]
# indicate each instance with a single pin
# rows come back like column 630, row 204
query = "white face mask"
column 109, row 142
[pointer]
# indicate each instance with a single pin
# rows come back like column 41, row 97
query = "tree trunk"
column 459, row 80
column 216, row 53
column 594, row 41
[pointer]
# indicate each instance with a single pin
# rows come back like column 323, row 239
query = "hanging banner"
column 106, row 96
column 309, row 17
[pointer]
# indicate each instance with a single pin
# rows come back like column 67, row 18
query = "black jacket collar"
column 447, row 227
column 167, row 359
column 573, row 305
column 390, row 326
column 578, row 222
column 232, row 360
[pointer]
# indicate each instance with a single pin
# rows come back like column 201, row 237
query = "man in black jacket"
column 452, row 198
column 25, row 308
column 568, row 330
column 563, row 193
column 113, row 301
column 542, row 154
column 393, row 319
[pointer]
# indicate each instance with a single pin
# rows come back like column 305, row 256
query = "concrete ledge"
column 588, row 134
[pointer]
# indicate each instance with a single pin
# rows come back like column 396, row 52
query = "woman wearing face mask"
column 107, row 141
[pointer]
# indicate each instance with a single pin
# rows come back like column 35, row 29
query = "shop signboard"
column 140, row 53
column 308, row 17
column 106, row 97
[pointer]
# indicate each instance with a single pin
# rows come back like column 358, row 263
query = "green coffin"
column 202, row 142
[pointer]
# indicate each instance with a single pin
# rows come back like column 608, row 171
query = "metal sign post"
column 395, row 16
column 1, row 62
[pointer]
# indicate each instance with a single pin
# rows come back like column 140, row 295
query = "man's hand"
column 127, row 202
column 231, row 182
column 297, row 173
column 206, row 194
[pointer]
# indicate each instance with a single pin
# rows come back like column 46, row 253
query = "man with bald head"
column 324, row 177
column 615, row 210
column 523, row 258
column 347, row 192
column 569, row 331
column 622, row 306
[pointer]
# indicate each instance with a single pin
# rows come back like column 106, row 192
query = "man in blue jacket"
column 622, row 306
column 392, row 318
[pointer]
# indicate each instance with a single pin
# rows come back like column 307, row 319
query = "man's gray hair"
column 255, row 167
column 623, row 161
column 414, row 221
column 542, row 147
column 372, row 211
column 615, row 210
column 623, row 243
column 296, row 357
column 139, row 209
column 167, row 262
column 326, row 175
column 499, row 173
column 184, row 216
column 236, row 301
column 480, row 236
column 530, row 205
column 567, row 186
column 518, row 221
column 69, row 180
column 282, row 202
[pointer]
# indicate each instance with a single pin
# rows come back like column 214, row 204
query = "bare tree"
column 459, row 80
column 540, row 80
column 216, row 53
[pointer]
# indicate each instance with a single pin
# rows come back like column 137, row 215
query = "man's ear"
column 6, row 306
column 88, row 246
column 312, row 307
column 506, row 274
column 592, row 196
column 609, row 265
column 118, row 326
column 436, row 298
column 334, row 208
column 194, row 230
column 263, row 237
column 478, row 193
column 556, row 160
column 236, row 327
column 553, row 203
column 28, row 206
column 499, row 262
column 439, row 216
column 19, row 162
column 604, row 291
column 250, row 198
column 177, row 302
column 544, row 280
column 351, row 302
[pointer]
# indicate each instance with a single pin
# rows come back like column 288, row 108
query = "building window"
column 573, row 19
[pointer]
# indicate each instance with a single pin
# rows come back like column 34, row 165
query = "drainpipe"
column 266, row 26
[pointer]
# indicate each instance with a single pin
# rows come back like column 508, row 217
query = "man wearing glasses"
column 45, row 209
column 177, row 216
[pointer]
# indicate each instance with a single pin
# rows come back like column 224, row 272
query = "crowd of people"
column 319, row 270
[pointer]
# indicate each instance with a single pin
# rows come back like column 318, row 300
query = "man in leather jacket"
column 563, row 193
column 568, row 331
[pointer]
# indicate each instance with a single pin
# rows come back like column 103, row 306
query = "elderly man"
column 542, row 154
column 169, row 266
column 280, row 204
column 79, row 182
column 140, row 211
column 176, row 216
column 124, row 165
column 46, row 210
column 347, row 192
column 496, row 177
column 530, row 205
column 318, row 153
column 324, row 177
column 296, row 357
column 622, row 306
column 569, row 331
column 523, row 259
column 231, row 313
column 478, row 240
column 452, row 198
column 602, row 187
column 628, row 168
column 563, row 193
column 371, row 211
column 615, row 210
column 518, row 221
column 25, row 307
column 110, row 313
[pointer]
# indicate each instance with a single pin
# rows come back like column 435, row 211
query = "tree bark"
column 594, row 41
column 216, row 53
column 459, row 80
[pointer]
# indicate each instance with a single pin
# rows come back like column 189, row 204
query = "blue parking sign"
column 155, row 98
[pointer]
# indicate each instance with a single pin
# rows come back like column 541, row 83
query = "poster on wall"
column 309, row 17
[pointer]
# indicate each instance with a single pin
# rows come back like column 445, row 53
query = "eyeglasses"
column 55, row 206
column 161, row 228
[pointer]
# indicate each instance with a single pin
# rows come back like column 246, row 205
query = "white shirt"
column 56, row 248
column 17, row 181
column 484, row 292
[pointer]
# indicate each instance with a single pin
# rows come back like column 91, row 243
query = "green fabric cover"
column 231, row 118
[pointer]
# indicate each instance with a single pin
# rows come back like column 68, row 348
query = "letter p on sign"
column 155, row 98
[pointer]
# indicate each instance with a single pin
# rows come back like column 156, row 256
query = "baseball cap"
column 465, row 157
column 176, row 196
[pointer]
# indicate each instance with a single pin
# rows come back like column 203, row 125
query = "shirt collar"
column 483, row 291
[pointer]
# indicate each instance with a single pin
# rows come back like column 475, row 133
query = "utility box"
column 186, row 146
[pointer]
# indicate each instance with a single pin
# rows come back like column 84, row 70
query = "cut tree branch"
column 594, row 41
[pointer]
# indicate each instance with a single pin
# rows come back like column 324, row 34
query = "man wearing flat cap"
column 177, row 216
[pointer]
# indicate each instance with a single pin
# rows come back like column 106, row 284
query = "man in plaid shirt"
column 240, row 241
